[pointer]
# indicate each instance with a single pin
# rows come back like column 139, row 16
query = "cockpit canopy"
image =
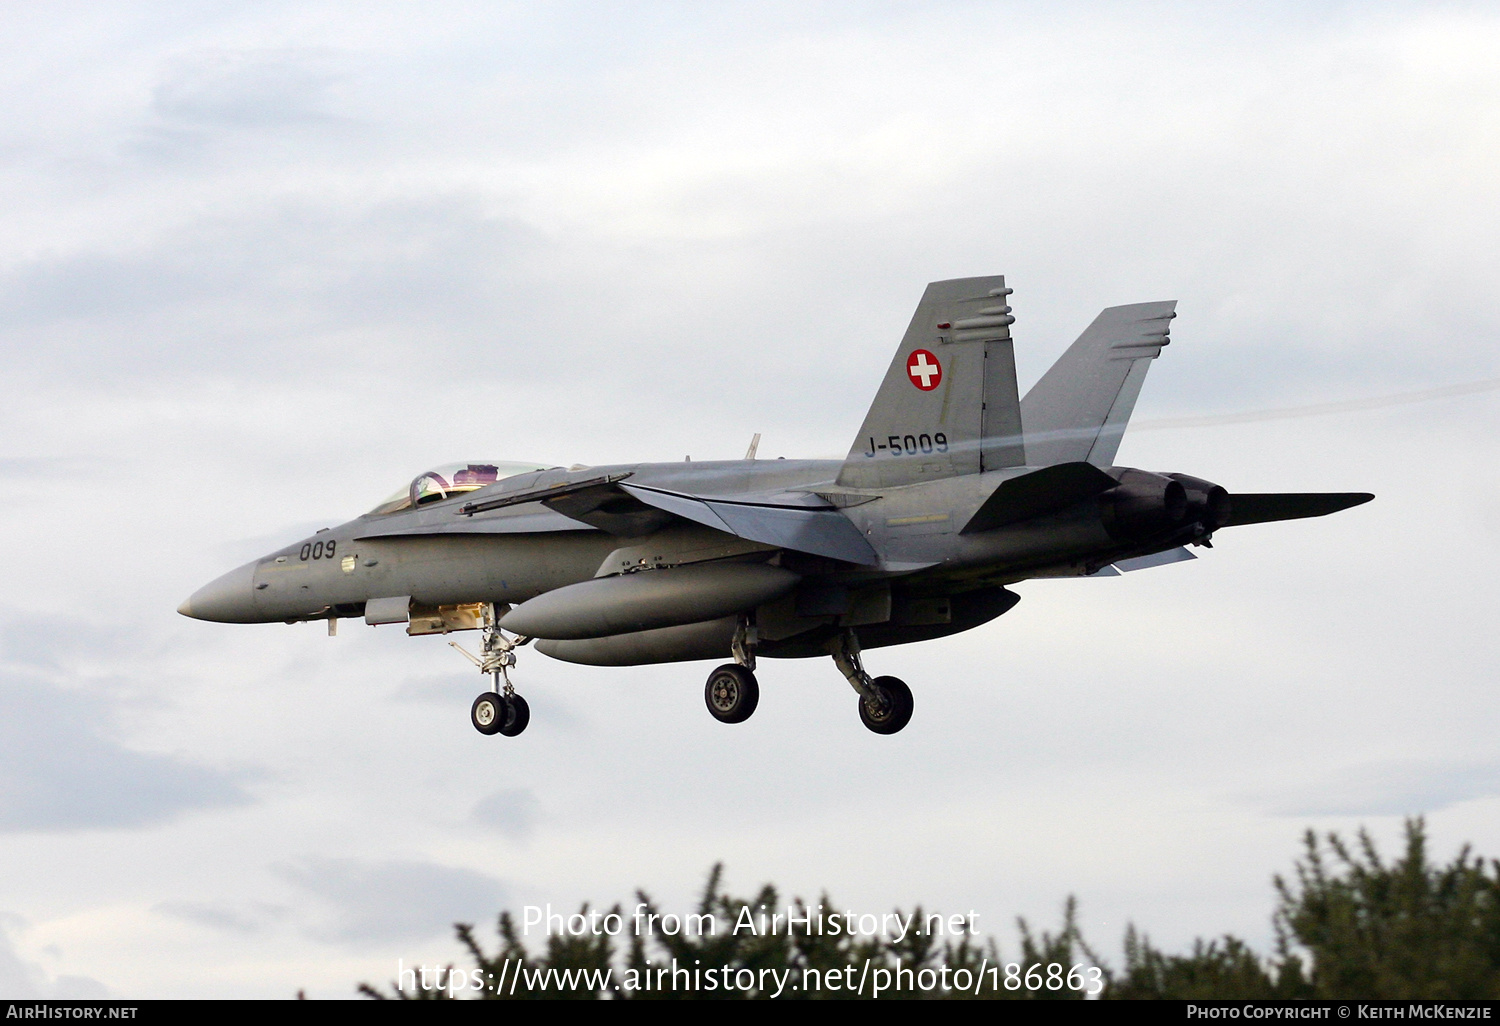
column 452, row 479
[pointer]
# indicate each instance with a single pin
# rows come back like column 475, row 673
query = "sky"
column 261, row 264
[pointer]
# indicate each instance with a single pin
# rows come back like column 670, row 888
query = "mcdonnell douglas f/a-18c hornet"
column 954, row 489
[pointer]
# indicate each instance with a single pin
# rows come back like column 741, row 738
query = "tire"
column 893, row 713
column 731, row 693
column 487, row 713
column 517, row 715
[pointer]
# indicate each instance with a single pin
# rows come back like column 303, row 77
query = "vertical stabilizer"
column 1078, row 411
column 948, row 404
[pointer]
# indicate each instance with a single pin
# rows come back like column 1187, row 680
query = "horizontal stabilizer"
column 1041, row 491
column 821, row 532
column 1264, row 508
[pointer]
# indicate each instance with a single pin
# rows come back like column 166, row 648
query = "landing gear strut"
column 499, row 710
column 732, row 692
column 885, row 703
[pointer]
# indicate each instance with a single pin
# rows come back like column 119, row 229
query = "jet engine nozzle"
column 1208, row 503
column 1143, row 504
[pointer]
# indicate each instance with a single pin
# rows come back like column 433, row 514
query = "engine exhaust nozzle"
column 1208, row 503
column 1143, row 504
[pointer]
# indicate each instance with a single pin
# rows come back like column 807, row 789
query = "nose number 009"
column 317, row 550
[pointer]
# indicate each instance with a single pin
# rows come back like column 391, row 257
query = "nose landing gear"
column 499, row 710
column 885, row 703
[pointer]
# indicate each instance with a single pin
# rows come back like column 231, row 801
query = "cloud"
column 59, row 772
column 245, row 88
column 513, row 812
column 270, row 288
column 375, row 902
column 215, row 917
column 259, row 266
column 436, row 689
column 1388, row 789
column 24, row 980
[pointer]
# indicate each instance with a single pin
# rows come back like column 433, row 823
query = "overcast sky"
column 261, row 264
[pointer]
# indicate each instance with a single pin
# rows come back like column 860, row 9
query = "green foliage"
column 1348, row 926
column 1216, row 969
column 1407, row 930
column 797, row 953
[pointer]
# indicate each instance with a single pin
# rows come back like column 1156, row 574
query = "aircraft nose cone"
column 227, row 599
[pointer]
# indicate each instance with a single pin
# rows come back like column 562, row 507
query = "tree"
column 1407, row 930
column 1216, row 969
column 1348, row 926
column 800, row 954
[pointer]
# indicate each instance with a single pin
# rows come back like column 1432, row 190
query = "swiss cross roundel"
column 924, row 370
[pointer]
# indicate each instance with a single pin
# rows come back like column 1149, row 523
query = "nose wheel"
column 499, row 710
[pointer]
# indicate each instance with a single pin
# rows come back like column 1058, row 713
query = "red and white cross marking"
column 925, row 371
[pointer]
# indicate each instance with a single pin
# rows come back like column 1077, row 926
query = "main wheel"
column 731, row 693
column 892, row 711
column 488, row 713
column 517, row 715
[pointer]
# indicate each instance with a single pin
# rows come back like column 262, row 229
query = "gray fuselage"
column 439, row 557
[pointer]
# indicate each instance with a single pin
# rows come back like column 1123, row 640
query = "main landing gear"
column 732, row 692
column 885, row 703
column 499, row 710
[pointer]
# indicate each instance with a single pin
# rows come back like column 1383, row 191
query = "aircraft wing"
column 538, row 522
column 804, row 523
column 819, row 530
column 1267, row 507
column 589, row 504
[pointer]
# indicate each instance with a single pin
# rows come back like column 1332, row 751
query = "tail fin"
column 948, row 404
column 1078, row 411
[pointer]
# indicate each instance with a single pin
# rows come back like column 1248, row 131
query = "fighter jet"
column 954, row 490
